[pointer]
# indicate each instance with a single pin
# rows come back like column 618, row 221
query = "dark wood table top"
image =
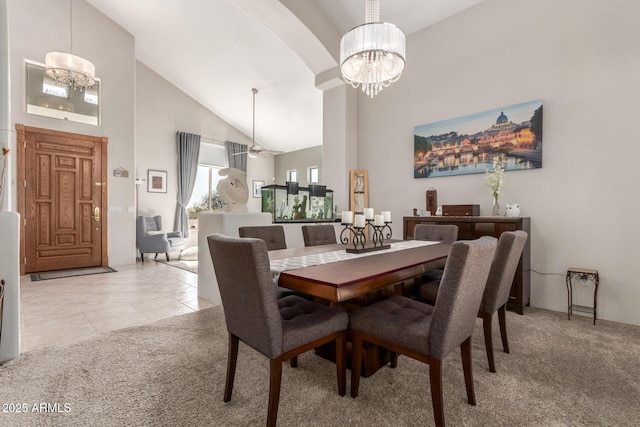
column 343, row 280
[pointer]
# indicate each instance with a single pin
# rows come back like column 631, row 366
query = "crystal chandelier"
column 372, row 55
column 68, row 69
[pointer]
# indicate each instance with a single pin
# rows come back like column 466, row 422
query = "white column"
column 7, row 200
column 10, row 273
column 339, row 139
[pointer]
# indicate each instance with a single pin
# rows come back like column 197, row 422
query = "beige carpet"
column 171, row 373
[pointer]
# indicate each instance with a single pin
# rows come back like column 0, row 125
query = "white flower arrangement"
column 495, row 180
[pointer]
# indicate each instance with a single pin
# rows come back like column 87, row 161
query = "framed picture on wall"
column 358, row 189
column 257, row 188
column 156, row 181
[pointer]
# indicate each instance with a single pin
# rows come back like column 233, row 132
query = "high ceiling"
column 217, row 50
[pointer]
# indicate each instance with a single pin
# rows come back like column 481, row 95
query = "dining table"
column 330, row 273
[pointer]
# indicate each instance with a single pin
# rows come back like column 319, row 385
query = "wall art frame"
column 510, row 135
column 257, row 188
column 156, row 181
column 358, row 191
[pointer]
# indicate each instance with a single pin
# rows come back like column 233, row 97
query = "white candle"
column 347, row 217
column 379, row 220
column 359, row 221
column 368, row 213
column 387, row 216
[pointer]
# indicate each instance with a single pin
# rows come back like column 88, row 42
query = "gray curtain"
column 188, row 153
column 237, row 154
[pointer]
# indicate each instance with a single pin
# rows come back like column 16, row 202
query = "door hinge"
column 25, row 183
column 25, row 222
column 25, row 260
column 24, row 143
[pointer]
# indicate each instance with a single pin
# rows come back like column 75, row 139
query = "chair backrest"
column 315, row 235
column 503, row 269
column 447, row 233
column 273, row 235
column 247, row 291
column 144, row 224
column 460, row 293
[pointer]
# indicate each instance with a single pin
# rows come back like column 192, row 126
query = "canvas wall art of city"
column 469, row 144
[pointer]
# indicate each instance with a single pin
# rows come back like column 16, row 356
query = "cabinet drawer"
column 460, row 210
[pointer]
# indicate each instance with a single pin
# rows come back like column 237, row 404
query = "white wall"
column 583, row 60
column 161, row 110
column 138, row 107
column 301, row 161
column 40, row 26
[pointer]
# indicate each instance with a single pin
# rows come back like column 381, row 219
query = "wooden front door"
column 62, row 199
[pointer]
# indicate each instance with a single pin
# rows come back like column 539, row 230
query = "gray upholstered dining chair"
column 150, row 238
column 447, row 233
column 426, row 333
column 496, row 293
column 315, row 235
column 279, row 328
column 273, row 235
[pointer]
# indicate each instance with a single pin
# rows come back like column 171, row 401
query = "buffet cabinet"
column 473, row 227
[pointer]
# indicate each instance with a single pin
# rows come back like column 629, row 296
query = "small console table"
column 583, row 275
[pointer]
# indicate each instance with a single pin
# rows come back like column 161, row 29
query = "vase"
column 496, row 208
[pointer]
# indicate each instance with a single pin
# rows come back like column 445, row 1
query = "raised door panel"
column 63, row 189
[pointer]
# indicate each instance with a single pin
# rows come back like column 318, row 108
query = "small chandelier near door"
column 68, row 69
column 372, row 55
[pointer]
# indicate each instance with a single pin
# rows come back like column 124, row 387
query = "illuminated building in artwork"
column 506, row 134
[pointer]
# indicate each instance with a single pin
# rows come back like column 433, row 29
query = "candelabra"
column 357, row 235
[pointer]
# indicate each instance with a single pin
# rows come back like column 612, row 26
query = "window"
column 205, row 198
column 314, row 175
column 292, row 175
column 46, row 98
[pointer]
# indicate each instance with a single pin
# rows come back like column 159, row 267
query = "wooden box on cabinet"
column 473, row 227
column 460, row 210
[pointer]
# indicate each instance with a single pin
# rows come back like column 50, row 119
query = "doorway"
column 62, row 193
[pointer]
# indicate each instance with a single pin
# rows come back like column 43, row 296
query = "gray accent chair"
column 150, row 238
column 279, row 328
column 496, row 293
column 315, row 235
column 273, row 235
column 426, row 333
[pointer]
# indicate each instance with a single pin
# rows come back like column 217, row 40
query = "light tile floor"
column 62, row 310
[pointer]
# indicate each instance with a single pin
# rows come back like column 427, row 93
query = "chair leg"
column 142, row 256
column 356, row 362
column 502, row 319
column 435, row 378
column 465, row 349
column 293, row 362
column 488, row 340
column 155, row 257
column 167, row 255
column 275, row 378
column 341, row 363
column 232, row 358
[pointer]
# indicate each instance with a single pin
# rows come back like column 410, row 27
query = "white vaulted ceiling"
column 217, row 50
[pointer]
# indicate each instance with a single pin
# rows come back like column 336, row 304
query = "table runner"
column 280, row 265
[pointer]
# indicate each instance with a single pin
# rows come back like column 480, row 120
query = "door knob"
column 96, row 214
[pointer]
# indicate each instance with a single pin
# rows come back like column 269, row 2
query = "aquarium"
column 290, row 203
